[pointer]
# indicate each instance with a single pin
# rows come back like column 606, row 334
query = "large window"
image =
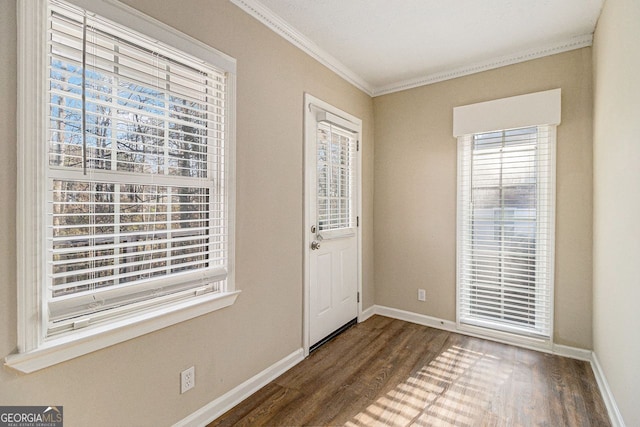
column 132, row 198
column 505, row 229
column 505, row 213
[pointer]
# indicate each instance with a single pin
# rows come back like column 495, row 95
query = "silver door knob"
column 315, row 245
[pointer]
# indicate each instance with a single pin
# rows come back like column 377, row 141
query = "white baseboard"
column 572, row 352
column 367, row 313
column 450, row 326
column 214, row 409
column 612, row 408
column 420, row 319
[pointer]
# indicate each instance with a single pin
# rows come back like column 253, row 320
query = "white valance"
column 539, row 108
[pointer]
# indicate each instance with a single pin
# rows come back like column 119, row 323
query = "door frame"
column 309, row 156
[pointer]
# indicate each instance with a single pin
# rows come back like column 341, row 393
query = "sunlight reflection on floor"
column 452, row 390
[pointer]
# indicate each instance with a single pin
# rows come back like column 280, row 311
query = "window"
column 506, row 225
column 336, row 161
column 128, row 207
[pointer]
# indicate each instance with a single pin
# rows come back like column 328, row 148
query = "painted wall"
column 137, row 382
column 415, row 182
column 616, row 230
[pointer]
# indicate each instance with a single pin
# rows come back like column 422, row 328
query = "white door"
column 332, row 188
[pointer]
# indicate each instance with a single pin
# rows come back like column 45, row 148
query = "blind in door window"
column 336, row 164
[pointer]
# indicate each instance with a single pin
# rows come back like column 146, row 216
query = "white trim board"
column 573, row 43
column 222, row 404
column 366, row 314
column 572, row 352
column 281, row 27
column 609, row 401
column 451, row 326
column 419, row 319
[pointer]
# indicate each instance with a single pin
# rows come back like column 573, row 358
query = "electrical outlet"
column 422, row 295
column 187, row 379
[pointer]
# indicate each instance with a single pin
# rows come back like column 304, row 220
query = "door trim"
column 309, row 132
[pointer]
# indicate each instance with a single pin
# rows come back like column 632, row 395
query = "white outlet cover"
column 422, row 295
column 187, row 379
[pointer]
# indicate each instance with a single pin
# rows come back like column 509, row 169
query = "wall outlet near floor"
column 187, row 379
column 422, row 295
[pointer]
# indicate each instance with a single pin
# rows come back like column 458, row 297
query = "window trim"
column 34, row 352
column 529, row 110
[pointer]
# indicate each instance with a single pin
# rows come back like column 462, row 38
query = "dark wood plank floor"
column 385, row 372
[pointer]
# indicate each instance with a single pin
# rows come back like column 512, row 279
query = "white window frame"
column 35, row 350
column 530, row 110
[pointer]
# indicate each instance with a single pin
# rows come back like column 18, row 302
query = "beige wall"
column 137, row 382
column 616, row 230
column 415, row 182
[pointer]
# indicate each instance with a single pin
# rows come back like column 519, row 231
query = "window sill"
column 82, row 342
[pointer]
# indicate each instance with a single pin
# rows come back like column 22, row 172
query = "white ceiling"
column 387, row 45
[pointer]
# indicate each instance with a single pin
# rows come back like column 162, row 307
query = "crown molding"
column 278, row 25
column 285, row 30
column 578, row 42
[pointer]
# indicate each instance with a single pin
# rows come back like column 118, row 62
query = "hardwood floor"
column 386, row 372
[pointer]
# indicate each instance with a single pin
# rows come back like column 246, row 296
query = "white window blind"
column 336, row 163
column 136, row 190
column 506, row 229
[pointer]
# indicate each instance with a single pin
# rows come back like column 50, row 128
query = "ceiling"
column 388, row 45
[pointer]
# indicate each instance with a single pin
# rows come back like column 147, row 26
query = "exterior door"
column 332, row 219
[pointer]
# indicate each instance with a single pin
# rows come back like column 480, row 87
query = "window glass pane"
column 336, row 150
column 140, row 128
column 105, row 234
column 144, row 112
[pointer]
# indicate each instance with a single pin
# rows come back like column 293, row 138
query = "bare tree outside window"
column 121, row 110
